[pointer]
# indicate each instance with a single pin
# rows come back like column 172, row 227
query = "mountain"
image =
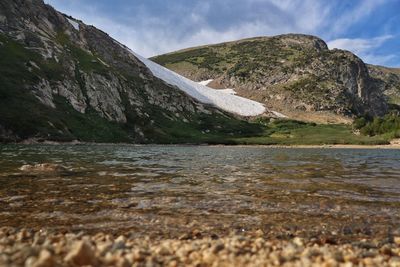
column 295, row 75
column 64, row 80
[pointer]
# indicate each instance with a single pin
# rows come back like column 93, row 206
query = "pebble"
column 81, row 254
column 45, row 249
column 45, row 259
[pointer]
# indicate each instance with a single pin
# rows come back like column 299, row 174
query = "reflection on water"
column 166, row 190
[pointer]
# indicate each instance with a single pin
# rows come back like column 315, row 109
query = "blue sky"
column 369, row 28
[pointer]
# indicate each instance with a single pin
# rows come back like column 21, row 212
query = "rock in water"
column 44, row 167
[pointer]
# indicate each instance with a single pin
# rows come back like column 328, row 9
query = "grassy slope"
column 283, row 132
column 244, row 58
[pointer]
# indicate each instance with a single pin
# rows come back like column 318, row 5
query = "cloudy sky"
column 369, row 28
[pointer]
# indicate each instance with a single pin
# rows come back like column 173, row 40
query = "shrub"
column 390, row 123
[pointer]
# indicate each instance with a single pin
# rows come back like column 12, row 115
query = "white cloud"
column 196, row 23
column 354, row 15
column 150, row 35
column 364, row 48
column 358, row 45
column 310, row 15
column 383, row 60
column 149, row 43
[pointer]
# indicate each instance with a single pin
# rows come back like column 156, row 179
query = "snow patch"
column 279, row 115
column 102, row 62
column 223, row 100
column 74, row 24
column 206, row 82
column 228, row 91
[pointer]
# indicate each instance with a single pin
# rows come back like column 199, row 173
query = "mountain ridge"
column 315, row 83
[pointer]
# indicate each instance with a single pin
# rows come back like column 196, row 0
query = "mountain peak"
column 303, row 40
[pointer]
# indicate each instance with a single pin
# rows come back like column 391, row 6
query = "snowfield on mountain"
column 228, row 102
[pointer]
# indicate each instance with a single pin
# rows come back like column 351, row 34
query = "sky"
column 368, row 28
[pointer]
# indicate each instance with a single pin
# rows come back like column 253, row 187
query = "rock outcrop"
column 388, row 80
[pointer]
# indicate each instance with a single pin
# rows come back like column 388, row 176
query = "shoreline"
column 394, row 145
column 336, row 146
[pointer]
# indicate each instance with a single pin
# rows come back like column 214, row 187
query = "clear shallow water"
column 170, row 190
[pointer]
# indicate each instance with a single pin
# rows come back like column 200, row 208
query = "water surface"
column 169, row 190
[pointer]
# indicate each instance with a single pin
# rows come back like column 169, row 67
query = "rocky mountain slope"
column 64, row 80
column 389, row 79
column 294, row 74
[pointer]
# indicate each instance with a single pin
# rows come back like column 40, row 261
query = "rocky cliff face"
column 61, row 79
column 389, row 81
column 296, row 75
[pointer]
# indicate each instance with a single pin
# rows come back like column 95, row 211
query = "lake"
column 167, row 191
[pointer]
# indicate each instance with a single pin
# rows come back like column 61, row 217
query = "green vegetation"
column 202, row 128
column 246, row 59
column 182, row 56
column 88, row 62
column 288, row 132
column 204, row 58
column 394, row 99
column 389, row 125
column 85, row 60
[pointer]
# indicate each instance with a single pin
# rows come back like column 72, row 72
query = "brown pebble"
column 218, row 247
column 81, row 254
column 45, row 259
column 214, row 236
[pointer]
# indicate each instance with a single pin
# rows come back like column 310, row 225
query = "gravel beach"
column 44, row 249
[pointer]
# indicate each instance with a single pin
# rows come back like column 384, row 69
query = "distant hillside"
column 296, row 75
